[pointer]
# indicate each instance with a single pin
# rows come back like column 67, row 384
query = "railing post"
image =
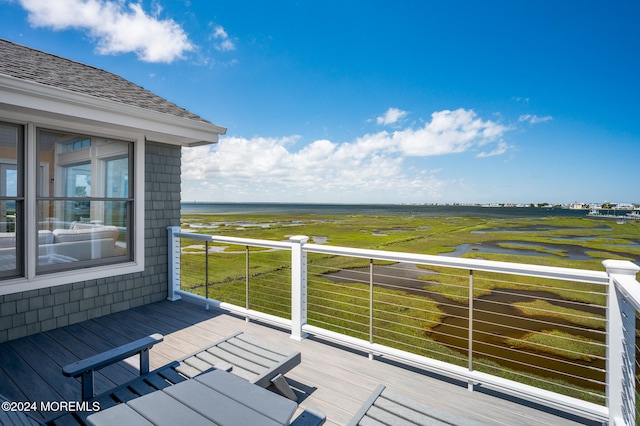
column 246, row 281
column 206, row 274
column 371, row 306
column 173, row 264
column 298, row 286
column 470, row 384
column 621, row 331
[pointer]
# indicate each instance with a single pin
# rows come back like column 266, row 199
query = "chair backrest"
column 252, row 359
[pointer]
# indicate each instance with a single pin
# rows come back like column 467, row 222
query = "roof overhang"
column 42, row 100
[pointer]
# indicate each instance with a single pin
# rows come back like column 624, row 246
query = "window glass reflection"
column 86, row 215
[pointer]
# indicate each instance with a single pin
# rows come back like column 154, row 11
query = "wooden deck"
column 335, row 380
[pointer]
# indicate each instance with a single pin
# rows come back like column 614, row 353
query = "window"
column 68, row 211
column 84, row 201
column 11, row 200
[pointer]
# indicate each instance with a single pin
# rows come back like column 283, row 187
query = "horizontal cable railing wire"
column 540, row 367
column 269, row 282
column 598, row 323
column 541, row 322
column 404, row 330
column 595, row 288
column 519, row 334
column 602, row 346
column 551, row 299
column 418, row 346
column 328, row 307
column 559, row 386
column 254, row 277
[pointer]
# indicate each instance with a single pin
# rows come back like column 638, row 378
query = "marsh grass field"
column 425, row 310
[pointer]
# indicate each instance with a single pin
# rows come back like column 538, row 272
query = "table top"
column 216, row 397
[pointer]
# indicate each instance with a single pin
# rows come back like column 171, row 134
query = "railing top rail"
column 629, row 287
column 252, row 242
column 553, row 272
column 581, row 275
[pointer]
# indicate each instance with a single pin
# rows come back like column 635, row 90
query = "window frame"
column 31, row 278
column 19, row 199
column 98, row 155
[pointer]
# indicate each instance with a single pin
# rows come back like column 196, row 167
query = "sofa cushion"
column 97, row 233
column 85, row 225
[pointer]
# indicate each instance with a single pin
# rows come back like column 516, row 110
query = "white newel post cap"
column 621, row 267
column 301, row 239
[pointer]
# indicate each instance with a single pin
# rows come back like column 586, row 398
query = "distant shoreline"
column 416, row 210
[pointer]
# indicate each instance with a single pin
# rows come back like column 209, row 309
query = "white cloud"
column 392, row 116
column 224, row 42
column 500, row 149
column 371, row 167
column 118, row 26
column 534, row 119
column 265, row 169
column 219, row 32
column 448, row 132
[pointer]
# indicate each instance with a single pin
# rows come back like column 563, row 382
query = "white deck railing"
column 616, row 287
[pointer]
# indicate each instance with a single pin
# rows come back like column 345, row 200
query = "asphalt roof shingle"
column 34, row 65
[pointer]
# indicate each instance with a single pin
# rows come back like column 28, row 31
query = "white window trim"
column 31, row 281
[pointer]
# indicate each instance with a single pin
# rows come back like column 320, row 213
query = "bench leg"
column 144, row 361
column 280, row 383
column 87, row 385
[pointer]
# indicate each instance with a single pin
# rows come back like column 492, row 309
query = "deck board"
column 114, row 337
column 24, row 376
column 8, row 388
column 104, row 379
column 330, row 378
column 28, row 349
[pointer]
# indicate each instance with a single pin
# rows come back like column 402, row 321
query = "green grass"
column 556, row 342
column 457, row 286
column 541, row 307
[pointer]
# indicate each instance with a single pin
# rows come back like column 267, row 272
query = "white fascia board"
column 157, row 126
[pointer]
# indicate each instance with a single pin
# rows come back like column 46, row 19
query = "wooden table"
column 216, row 397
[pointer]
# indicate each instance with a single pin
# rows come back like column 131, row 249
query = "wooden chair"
column 246, row 357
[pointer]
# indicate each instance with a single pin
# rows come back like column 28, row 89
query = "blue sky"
column 377, row 101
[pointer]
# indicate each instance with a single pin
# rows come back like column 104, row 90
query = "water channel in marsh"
column 496, row 319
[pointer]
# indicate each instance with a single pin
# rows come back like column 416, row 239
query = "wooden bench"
column 385, row 407
column 252, row 359
column 246, row 357
column 215, row 397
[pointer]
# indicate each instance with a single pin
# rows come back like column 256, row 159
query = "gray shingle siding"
column 35, row 311
column 34, row 65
